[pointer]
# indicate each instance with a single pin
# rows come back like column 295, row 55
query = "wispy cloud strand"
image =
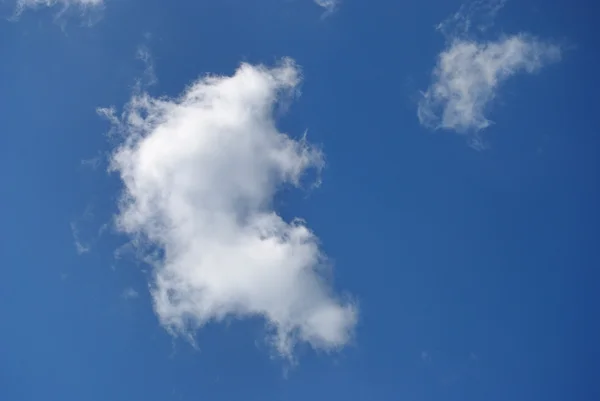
column 200, row 173
column 472, row 17
column 328, row 5
column 129, row 293
column 80, row 246
column 23, row 4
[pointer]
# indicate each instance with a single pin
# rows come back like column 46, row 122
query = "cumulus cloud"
column 469, row 73
column 199, row 174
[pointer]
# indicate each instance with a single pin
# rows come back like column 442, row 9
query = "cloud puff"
column 469, row 72
column 200, row 173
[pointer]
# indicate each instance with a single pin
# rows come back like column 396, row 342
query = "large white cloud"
column 200, row 173
column 469, row 73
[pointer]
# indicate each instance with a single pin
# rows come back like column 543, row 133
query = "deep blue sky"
column 476, row 272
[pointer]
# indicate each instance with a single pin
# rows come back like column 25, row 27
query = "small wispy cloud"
column 148, row 78
column 93, row 162
column 328, row 5
column 85, row 233
column 82, row 5
column 200, row 173
column 469, row 72
column 129, row 293
column 474, row 16
column 80, row 246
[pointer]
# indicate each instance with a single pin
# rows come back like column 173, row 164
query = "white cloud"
column 80, row 246
column 149, row 76
column 200, row 173
column 468, row 75
column 478, row 14
column 129, row 293
column 469, row 72
column 93, row 162
column 328, row 5
column 23, row 4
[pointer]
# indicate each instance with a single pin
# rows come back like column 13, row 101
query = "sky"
column 293, row 199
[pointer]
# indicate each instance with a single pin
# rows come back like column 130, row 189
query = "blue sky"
column 157, row 157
